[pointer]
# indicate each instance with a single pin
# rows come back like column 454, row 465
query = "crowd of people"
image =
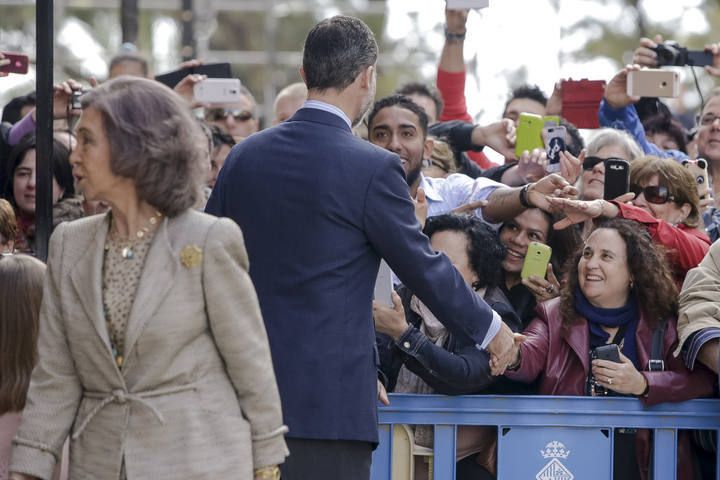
column 207, row 305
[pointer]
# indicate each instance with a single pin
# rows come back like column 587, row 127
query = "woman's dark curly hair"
column 485, row 251
column 653, row 282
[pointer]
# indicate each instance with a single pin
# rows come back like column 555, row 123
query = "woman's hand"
column 531, row 165
column 185, row 88
column 619, row 377
column 3, row 61
column 571, row 166
column 541, row 288
column 577, row 211
column 644, row 55
column 390, row 321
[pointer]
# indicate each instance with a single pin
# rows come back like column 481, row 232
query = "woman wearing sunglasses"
column 665, row 200
column 605, row 144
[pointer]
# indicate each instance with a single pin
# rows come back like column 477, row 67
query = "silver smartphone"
column 217, row 90
column 653, row 83
column 384, row 285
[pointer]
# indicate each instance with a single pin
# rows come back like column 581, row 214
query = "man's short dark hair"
column 336, row 50
column 531, row 92
column 12, row 112
column 417, row 88
column 403, row 102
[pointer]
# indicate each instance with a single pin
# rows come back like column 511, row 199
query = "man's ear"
column 302, row 75
column 366, row 76
column 428, row 148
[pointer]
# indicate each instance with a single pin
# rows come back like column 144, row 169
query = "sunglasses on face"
column 590, row 162
column 219, row 114
column 657, row 194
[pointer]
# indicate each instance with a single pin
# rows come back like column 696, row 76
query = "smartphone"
column 462, row 4
column 529, row 133
column 581, row 101
column 554, row 144
column 536, row 260
column 18, row 63
column 607, row 352
column 211, row 70
column 651, row 82
column 384, row 285
column 617, row 178
column 698, row 169
column 217, row 90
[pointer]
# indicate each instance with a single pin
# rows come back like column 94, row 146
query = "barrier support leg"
column 665, row 454
column 381, row 468
column 444, row 461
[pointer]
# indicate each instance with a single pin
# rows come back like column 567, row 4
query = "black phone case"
column 699, row 58
column 617, row 178
column 608, row 352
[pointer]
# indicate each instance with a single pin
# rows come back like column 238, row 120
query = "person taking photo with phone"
column 619, row 291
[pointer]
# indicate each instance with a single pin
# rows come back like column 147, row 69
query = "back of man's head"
column 336, row 50
column 400, row 101
column 288, row 101
column 128, row 63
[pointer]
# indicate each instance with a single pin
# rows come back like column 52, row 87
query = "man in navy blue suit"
column 319, row 208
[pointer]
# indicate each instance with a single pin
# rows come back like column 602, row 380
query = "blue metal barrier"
column 545, row 438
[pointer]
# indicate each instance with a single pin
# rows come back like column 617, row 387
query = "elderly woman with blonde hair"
column 153, row 355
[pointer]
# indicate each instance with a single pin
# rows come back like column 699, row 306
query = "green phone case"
column 529, row 133
column 536, row 260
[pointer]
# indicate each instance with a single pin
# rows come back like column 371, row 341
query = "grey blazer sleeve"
column 55, row 390
column 239, row 333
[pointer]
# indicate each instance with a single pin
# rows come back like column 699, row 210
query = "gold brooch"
column 191, row 256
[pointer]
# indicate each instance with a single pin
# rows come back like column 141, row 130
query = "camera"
column 670, row 54
column 75, row 99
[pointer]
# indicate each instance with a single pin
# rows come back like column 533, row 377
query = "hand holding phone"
column 17, row 63
column 581, row 101
column 617, row 178
column 610, row 353
column 536, row 260
column 554, row 144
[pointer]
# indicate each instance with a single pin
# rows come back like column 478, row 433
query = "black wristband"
column 454, row 37
column 524, row 200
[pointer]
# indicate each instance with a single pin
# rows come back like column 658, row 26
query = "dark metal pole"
column 129, row 21
column 188, row 50
column 44, row 110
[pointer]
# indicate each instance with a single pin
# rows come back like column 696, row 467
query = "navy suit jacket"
column 318, row 208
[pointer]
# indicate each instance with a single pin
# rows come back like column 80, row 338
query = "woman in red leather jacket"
column 619, row 291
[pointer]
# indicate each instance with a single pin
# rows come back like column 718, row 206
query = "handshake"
column 504, row 350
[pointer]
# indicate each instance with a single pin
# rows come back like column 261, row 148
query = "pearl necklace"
column 127, row 252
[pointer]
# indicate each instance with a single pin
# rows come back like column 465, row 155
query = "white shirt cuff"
column 492, row 331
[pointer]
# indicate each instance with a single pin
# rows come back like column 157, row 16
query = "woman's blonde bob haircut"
column 153, row 140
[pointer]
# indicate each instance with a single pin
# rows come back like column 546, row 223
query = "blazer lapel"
column 155, row 283
column 86, row 277
column 577, row 336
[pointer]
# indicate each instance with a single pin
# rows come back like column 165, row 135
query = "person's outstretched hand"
column 500, row 136
column 547, row 187
column 502, row 349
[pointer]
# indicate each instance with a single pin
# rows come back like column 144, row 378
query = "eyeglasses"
column 707, row 120
column 219, row 114
column 590, row 162
column 657, row 194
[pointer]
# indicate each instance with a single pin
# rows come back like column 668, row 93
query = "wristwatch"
column 268, row 473
column 454, row 37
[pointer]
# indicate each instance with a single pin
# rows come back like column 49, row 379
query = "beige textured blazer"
column 196, row 397
column 700, row 297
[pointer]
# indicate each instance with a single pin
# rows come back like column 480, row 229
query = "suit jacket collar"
column 320, row 116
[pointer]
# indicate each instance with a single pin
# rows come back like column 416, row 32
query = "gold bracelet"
column 269, row 473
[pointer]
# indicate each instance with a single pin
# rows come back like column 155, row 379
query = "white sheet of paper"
column 461, row 4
